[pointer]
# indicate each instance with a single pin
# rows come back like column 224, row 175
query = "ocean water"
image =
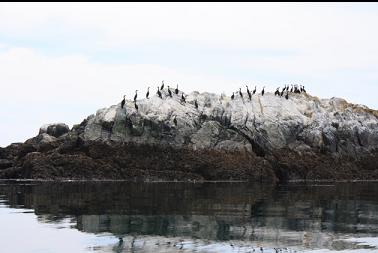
column 44, row 217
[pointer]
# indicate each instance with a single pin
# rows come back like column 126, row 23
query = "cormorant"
column 304, row 89
column 287, row 95
column 175, row 121
column 136, row 106
column 291, row 90
column 254, row 91
column 162, row 85
column 136, row 95
column 263, row 91
column 296, row 89
column 196, row 104
column 249, row 93
column 176, row 90
column 277, row 92
column 301, row 88
column 159, row 93
column 169, row 92
column 232, row 96
column 183, row 98
column 123, row 101
column 282, row 92
column 148, row 92
column 240, row 93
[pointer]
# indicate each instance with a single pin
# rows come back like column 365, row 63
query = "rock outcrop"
column 269, row 138
column 56, row 130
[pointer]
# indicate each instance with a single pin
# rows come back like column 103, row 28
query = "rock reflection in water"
column 303, row 216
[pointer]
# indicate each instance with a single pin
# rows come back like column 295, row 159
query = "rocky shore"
column 269, row 138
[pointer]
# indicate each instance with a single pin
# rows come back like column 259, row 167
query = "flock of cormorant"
column 294, row 89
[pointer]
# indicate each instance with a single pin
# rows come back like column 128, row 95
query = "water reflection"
column 306, row 217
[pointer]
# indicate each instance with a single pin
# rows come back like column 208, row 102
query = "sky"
column 61, row 62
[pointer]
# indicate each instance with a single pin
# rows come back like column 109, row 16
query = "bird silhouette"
column 159, row 93
column 148, row 92
column 277, row 92
column 249, row 93
column 136, row 95
column 123, row 101
column 169, row 92
column 162, row 85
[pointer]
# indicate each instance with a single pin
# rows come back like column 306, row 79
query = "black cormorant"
column 232, row 96
column 196, row 104
column 296, row 89
column 175, row 121
column 148, row 92
column 277, row 92
column 162, row 85
column 254, row 91
column 123, row 101
column 136, row 95
column 291, row 90
column 263, row 91
column 287, row 95
column 240, row 93
column 169, row 92
column 176, row 90
column 304, row 89
column 183, row 98
column 249, row 93
column 159, row 93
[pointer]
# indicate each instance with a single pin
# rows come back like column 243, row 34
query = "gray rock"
column 56, row 130
column 262, row 125
column 41, row 139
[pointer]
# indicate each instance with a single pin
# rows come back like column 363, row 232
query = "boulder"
column 55, row 130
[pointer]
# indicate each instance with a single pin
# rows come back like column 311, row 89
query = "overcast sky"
column 60, row 62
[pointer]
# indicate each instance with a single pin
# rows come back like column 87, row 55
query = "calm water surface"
column 99, row 217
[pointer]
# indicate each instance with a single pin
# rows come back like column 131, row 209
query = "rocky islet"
column 268, row 138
